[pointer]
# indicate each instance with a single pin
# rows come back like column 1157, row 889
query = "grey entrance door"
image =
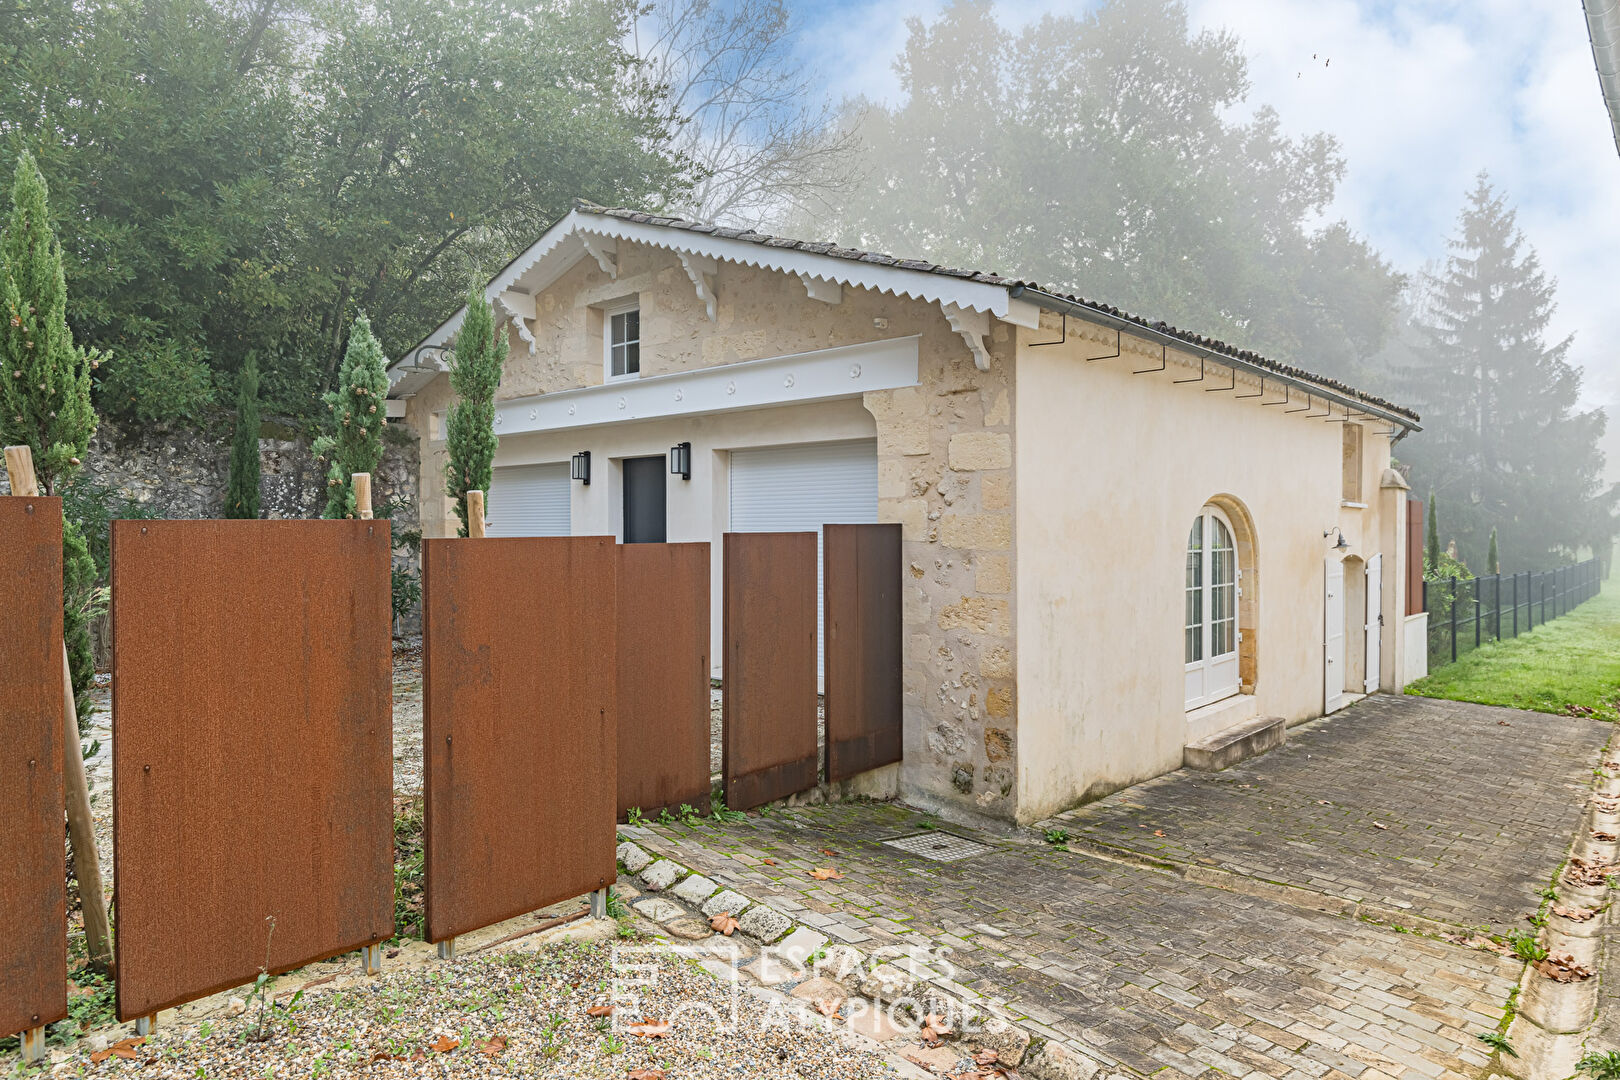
column 644, row 521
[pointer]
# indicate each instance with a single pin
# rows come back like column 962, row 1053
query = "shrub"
column 162, row 382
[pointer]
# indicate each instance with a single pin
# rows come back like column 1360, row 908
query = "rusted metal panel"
column 252, row 750
column 520, row 729
column 769, row 700
column 663, row 676
column 1414, row 556
column 864, row 686
column 33, row 893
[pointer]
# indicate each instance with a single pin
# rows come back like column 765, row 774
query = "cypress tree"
column 242, row 493
column 358, row 413
column 1492, row 565
column 1431, row 554
column 45, row 395
column 475, row 372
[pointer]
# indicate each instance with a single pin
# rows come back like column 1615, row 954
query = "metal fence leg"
column 447, row 949
column 1478, row 613
column 371, row 959
column 1453, row 620
column 1497, row 604
column 145, row 1024
column 1515, row 605
column 599, row 904
column 33, row 1044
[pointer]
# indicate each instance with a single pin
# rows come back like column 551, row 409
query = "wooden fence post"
column 361, row 483
column 475, row 513
column 81, row 825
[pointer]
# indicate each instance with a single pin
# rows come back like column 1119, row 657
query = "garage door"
column 801, row 488
column 529, row 500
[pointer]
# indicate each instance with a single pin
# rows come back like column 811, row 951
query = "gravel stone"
column 726, row 900
column 764, row 924
column 694, row 890
column 661, row 875
column 634, row 859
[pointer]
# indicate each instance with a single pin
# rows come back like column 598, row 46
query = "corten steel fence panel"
column 1414, row 556
column 863, row 688
column 663, row 676
column 769, row 700
column 520, row 726
column 252, row 750
column 33, row 896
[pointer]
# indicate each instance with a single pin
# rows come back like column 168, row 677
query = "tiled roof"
column 1210, row 345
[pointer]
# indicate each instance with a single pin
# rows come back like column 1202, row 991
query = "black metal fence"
column 1466, row 613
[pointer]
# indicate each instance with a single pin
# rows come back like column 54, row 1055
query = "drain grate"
column 939, row 846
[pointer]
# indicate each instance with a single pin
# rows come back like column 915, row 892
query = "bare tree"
column 766, row 141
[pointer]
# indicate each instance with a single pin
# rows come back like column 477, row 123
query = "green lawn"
column 1571, row 664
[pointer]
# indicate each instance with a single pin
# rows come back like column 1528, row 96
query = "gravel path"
column 513, row 1014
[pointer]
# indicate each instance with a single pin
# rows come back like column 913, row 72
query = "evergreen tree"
column 242, row 493
column 44, row 376
column 1492, row 564
column 45, row 396
column 475, row 372
column 358, row 413
column 1432, row 553
column 1501, row 438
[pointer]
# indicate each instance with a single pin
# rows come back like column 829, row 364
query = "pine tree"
column 1492, row 564
column 475, row 372
column 358, row 408
column 242, row 492
column 45, row 396
column 1500, row 435
column 1432, row 554
column 44, row 376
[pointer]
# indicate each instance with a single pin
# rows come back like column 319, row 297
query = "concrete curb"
column 1549, row 1031
column 1035, row 1054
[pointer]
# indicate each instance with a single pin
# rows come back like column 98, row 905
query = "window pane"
column 616, row 328
column 632, row 325
column 1195, row 538
column 616, row 360
column 1222, row 638
column 1195, row 651
column 632, row 358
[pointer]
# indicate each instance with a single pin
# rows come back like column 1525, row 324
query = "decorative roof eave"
column 583, row 233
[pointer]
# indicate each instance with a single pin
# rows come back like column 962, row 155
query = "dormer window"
column 623, row 341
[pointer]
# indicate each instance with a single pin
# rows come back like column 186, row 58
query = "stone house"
column 1119, row 538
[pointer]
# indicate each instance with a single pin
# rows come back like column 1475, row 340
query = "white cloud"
column 1422, row 94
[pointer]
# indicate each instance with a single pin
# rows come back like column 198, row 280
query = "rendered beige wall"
column 1112, row 467
column 945, row 471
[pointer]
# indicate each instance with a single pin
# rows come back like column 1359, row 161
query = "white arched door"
column 1210, row 633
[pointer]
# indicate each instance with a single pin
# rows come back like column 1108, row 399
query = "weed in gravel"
column 1526, row 947
column 1497, row 1041
column 410, row 868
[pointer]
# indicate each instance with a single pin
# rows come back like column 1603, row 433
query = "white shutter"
column 800, row 489
column 1375, row 619
column 1333, row 638
column 529, row 500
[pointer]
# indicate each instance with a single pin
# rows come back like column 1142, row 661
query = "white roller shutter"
column 529, row 500
column 800, row 489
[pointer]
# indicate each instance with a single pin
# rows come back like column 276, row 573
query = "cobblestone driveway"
column 1152, row 971
column 1456, row 812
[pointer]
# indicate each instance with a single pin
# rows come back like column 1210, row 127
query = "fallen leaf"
column 935, row 1028
column 830, row 853
column 99, row 1056
column 492, row 1045
column 919, row 1061
column 985, row 1056
column 828, row 1006
column 384, row 1055
column 723, row 923
column 768, row 862
column 646, row 1074
column 1323, row 802
column 1503, row 723
column 1561, row 967
column 1573, row 914
column 599, row 1010
column 649, row 1028
column 1158, row 832
column 444, row 1044
column 826, row 873
column 1379, row 825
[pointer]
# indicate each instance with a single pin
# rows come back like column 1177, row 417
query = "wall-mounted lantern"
column 1343, row 544
column 680, row 460
column 580, row 467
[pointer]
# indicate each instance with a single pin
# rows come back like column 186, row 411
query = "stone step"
column 1237, row 743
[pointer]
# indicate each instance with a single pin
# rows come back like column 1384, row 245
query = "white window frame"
column 607, row 341
column 1211, row 677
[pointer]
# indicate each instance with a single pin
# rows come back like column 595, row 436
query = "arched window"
column 1211, row 629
